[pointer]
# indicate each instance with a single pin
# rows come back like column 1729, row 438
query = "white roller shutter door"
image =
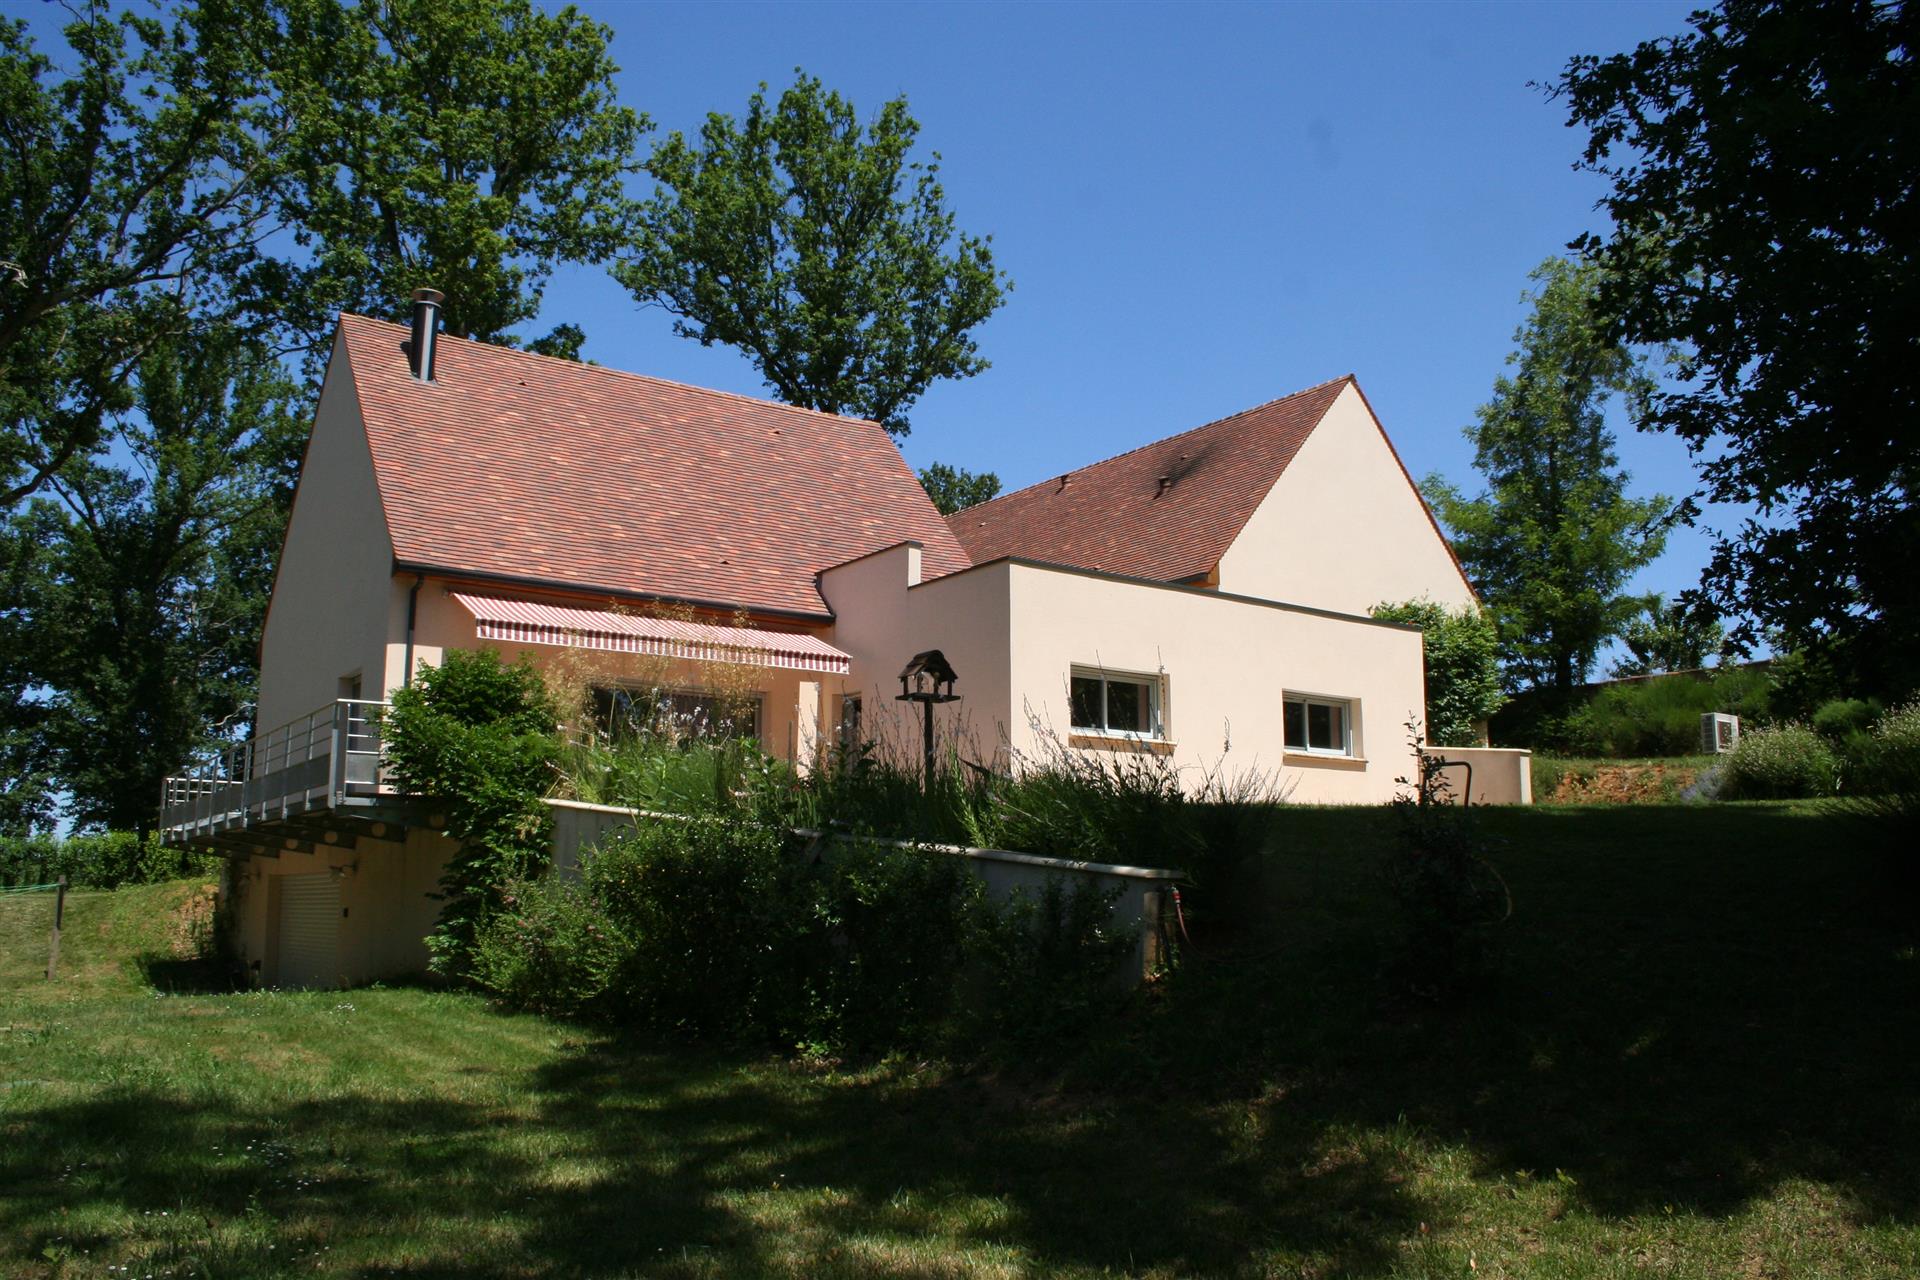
column 309, row 930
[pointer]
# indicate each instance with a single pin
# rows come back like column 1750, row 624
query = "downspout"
column 413, row 613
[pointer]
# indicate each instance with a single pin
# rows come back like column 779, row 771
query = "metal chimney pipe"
column 426, row 323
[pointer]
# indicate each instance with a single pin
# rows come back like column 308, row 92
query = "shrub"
column 1660, row 716
column 481, row 737
column 704, row 922
column 1889, row 765
column 550, row 948
column 105, row 860
column 1787, row 762
column 1447, row 895
column 1462, row 664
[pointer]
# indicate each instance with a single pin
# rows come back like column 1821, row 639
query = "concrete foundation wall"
column 387, row 899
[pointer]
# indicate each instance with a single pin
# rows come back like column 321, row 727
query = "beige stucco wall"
column 1342, row 528
column 884, row 615
column 386, row 893
column 1501, row 775
column 332, row 600
column 1014, row 632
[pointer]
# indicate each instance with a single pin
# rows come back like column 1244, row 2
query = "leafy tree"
column 132, row 184
column 26, row 784
column 1766, row 224
column 1462, row 650
column 482, row 736
column 1554, row 539
column 955, row 488
column 467, row 145
column 1668, row 637
column 154, row 564
column 819, row 250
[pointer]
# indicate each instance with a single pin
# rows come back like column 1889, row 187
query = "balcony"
column 324, row 764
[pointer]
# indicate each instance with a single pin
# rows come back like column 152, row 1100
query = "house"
column 1201, row 598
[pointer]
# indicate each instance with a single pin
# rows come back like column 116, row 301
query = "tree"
column 1462, row 649
column 955, row 488
column 1766, row 224
column 1553, row 541
column 819, row 250
column 130, row 188
column 155, row 563
column 466, row 145
column 1668, row 637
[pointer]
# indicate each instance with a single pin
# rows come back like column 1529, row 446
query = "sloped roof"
column 528, row 467
column 1167, row 510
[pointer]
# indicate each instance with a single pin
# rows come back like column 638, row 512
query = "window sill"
column 1114, row 742
column 1315, row 759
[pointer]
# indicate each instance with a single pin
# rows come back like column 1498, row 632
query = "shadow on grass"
column 1696, row 1009
column 629, row 1158
column 1693, row 1007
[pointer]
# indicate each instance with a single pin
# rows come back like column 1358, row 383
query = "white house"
column 1206, row 588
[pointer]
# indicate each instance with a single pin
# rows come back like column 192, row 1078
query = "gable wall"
column 1342, row 529
column 333, row 598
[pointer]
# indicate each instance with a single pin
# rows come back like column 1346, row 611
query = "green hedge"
column 730, row 929
column 103, row 861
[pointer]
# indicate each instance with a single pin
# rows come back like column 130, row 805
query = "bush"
column 1889, row 765
column 550, row 948
column 1659, row 716
column 728, row 929
column 105, row 860
column 1462, row 665
column 1787, row 762
column 481, row 737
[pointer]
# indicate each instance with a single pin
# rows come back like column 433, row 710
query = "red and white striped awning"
column 525, row 622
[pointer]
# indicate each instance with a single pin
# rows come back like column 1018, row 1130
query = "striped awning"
column 525, row 622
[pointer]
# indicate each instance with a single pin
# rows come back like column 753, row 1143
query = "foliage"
column 955, row 488
column 1448, row 897
column 814, row 245
column 647, row 771
column 103, row 861
column 141, row 608
column 1553, row 541
column 466, row 145
column 1051, row 960
column 479, row 737
column 132, row 187
column 1660, row 716
column 549, row 948
column 1883, row 780
column 1462, row 655
column 1669, row 637
column 1763, row 215
column 1782, row 762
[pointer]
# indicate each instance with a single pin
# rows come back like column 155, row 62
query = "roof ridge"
column 628, row 373
column 1141, row 448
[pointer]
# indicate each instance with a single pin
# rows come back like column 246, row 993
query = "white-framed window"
column 1319, row 726
column 1115, row 703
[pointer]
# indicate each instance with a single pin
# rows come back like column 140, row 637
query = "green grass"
column 1696, row 1060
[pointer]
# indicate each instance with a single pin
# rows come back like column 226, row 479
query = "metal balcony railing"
column 320, row 761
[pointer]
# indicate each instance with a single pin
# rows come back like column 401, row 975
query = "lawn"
column 1697, row 1059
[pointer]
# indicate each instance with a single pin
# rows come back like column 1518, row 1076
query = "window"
column 679, row 715
column 850, row 722
column 1322, row 726
column 1110, row 703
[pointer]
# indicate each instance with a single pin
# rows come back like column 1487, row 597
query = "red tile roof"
column 527, row 467
column 1168, row 510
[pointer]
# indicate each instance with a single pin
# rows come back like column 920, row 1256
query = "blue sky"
column 1202, row 207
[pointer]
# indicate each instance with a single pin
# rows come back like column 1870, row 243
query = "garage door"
column 309, row 930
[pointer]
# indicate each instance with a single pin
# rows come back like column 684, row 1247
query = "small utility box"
column 1719, row 733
